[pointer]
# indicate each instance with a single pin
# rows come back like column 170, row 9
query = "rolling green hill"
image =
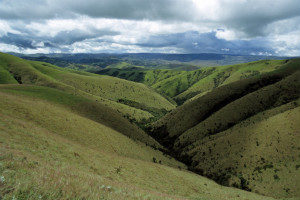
column 166, row 82
column 58, row 142
column 242, row 134
column 84, row 107
column 184, row 85
column 228, row 74
column 121, row 95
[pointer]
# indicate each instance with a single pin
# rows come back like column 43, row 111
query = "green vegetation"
column 229, row 74
column 83, row 107
column 68, row 134
column 184, row 85
column 237, row 133
column 6, row 77
column 104, row 89
column 58, row 142
column 167, row 82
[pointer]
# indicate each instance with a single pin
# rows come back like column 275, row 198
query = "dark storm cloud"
column 63, row 23
column 194, row 42
column 134, row 9
column 252, row 17
column 17, row 40
column 248, row 16
column 29, row 40
column 162, row 40
column 120, row 9
column 77, row 35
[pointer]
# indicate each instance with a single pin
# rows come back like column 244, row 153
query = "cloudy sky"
column 248, row 27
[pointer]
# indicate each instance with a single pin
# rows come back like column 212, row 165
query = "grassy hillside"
column 64, row 135
column 184, row 85
column 113, row 92
column 241, row 134
column 189, row 115
column 51, row 149
column 228, row 74
column 107, row 87
column 260, row 154
column 175, row 85
column 83, row 107
column 122, row 65
column 167, row 82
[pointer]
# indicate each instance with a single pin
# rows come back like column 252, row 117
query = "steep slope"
column 229, row 74
column 260, row 154
column 118, row 94
column 189, row 115
column 83, row 107
column 63, row 130
column 183, row 85
column 167, row 82
column 51, row 151
column 107, row 87
column 218, row 134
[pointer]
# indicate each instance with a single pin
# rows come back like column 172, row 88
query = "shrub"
column 154, row 160
column 276, row 177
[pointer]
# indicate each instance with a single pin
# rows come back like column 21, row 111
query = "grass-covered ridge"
column 241, row 134
column 104, row 89
column 228, row 74
column 61, row 145
column 83, row 107
column 69, row 134
column 184, row 85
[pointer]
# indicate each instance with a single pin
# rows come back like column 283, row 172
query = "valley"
column 131, row 131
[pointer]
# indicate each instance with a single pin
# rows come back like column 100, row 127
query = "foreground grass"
column 83, row 107
column 50, row 152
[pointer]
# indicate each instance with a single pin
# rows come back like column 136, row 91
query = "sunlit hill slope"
column 60, row 141
column 243, row 134
column 183, row 85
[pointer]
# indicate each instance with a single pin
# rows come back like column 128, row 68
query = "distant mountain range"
column 92, row 62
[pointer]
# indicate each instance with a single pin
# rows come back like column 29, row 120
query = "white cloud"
column 225, row 49
column 288, row 44
column 54, row 26
column 5, row 28
column 9, row 48
column 226, row 34
column 283, row 26
column 207, row 10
